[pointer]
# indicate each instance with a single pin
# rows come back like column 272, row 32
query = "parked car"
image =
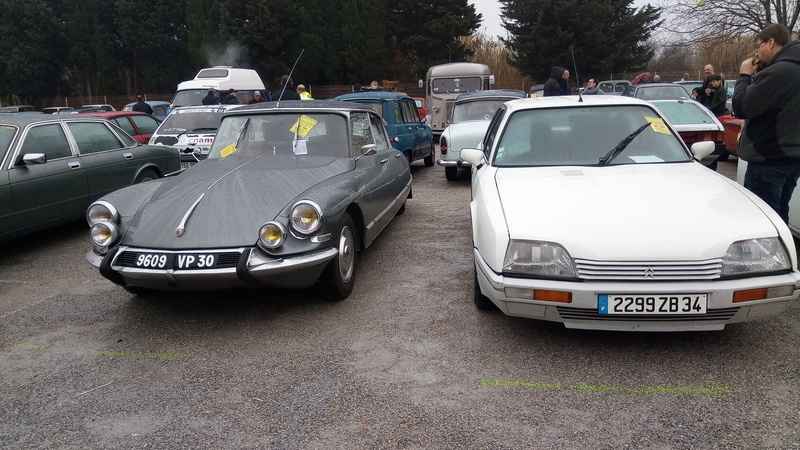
column 537, row 90
column 191, row 130
column 17, row 108
column 695, row 123
column 689, row 86
column 595, row 214
column 101, row 107
column 160, row 108
column 657, row 91
column 423, row 111
column 54, row 166
column 409, row 133
column 57, row 109
column 733, row 127
column 614, row 87
column 471, row 114
column 140, row 126
column 287, row 196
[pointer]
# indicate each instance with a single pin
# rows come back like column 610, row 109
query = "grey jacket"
column 771, row 107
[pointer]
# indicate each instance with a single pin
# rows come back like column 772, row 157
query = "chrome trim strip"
column 182, row 225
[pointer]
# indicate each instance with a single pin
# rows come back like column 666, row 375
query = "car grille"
column 592, row 314
column 709, row 269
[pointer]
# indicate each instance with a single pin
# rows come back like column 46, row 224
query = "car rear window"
column 684, row 113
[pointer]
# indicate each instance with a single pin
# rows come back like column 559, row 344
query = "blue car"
column 160, row 108
column 408, row 132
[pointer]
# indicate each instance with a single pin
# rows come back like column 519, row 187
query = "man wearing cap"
column 257, row 98
column 301, row 89
column 231, row 98
column 210, row 98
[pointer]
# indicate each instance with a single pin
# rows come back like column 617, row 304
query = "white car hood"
column 631, row 212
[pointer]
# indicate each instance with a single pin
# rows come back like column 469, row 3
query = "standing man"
column 705, row 91
column 304, row 95
column 141, row 106
column 557, row 84
column 285, row 91
column 211, row 98
column 767, row 97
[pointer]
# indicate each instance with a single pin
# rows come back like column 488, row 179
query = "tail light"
column 691, row 137
column 443, row 146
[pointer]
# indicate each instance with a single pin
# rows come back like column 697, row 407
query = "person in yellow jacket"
column 304, row 95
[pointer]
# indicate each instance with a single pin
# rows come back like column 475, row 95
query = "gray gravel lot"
column 405, row 362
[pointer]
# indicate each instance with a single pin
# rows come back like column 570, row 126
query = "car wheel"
column 481, row 301
column 340, row 275
column 145, row 175
column 401, row 210
column 451, row 173
column 429, row 160
column 409, row 157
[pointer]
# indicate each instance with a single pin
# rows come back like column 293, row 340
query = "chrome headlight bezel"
column 104, row 234
column 100, row 211
column 272, row 235
column 305, row 217
column 539, row 259
column 756, row 256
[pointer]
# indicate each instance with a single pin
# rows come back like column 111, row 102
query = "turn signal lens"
column 762, row 293
column 272, row 234
column 552, row 296
column 104, row 233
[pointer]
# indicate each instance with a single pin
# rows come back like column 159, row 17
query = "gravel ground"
column 405, row 362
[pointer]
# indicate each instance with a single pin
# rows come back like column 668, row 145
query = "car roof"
column 574, row 101
column 151, row 103
column 515, row 93
column 112, row 114
column 300, row 105
column 202, row 108
column 22, row 120
column 372, row 96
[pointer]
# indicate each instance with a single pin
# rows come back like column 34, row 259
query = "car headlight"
column 306, row 217
column 544, row 259
column 104, row 233
column 272, row 234
column 754, row 256
column 101, row 211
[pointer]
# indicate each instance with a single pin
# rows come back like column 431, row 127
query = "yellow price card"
column 303, row 126
column 658, row 125
column 228, row 150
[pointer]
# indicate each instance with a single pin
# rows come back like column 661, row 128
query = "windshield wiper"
column 621, row 146
column 195, row 130
column 240, row 135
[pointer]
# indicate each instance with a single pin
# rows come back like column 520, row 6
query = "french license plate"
column 652, row 304
column 178, row 261
column 187, row 164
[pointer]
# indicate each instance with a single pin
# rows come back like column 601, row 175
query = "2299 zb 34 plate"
column 652, row 304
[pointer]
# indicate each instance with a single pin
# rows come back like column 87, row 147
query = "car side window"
column 93, row 137
column 376, row 124
column 398, row 113
column 159, row 111
column 410, row 111
column 146, row 124
column 361, row 132
column 491, row 133
column 47, row 139
column 125, row 124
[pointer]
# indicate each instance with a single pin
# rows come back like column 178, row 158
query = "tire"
column 430, row 159
column 724, row 156
column 481, row 301
column 145, row 175
column 339, row 277
column 451, row 173
column 409, row 157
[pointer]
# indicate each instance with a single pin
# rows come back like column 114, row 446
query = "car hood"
column 675, row 211
column 464, row 135
column 238, row 196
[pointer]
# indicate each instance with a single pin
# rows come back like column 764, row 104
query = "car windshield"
column 581, row 136
column 282, row 134
column 189, row 97
column 451, row 85
column 476, row 109
column 684, row 112
column 183, row 120
column 661, row 92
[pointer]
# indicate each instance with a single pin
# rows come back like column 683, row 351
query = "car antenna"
column 577, row 80
column 290, row 77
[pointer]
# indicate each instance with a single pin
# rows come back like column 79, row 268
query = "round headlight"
column 272, row 234
column 306, row 217
column 104, row 233
column 101, row 211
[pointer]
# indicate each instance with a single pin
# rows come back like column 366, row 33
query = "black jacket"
column 556, row 85
column 771, row 107
column 288, row 94
column 718, row 98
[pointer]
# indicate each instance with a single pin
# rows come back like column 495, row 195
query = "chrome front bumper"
column 453, row 163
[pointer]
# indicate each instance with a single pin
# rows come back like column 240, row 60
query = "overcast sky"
column 490, row 9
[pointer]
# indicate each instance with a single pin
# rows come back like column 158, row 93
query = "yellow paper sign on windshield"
column 228, row 150
column 306, row 124
column 658, row 125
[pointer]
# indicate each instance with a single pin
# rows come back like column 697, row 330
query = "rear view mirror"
column 34, row 158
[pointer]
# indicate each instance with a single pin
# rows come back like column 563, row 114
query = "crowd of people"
column 285, row 91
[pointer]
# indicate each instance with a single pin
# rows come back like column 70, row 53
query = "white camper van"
column 221, row 78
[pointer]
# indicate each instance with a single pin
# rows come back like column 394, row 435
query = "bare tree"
column 712, row 20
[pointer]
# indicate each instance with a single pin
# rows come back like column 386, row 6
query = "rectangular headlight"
column 754, row 256
column 545, row 259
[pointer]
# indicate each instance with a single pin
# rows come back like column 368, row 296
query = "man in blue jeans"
column 767, row 96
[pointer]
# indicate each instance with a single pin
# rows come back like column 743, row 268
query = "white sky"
column 490, row 9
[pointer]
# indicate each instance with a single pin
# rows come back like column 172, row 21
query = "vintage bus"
column 445, row 82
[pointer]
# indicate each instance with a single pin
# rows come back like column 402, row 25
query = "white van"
column 221, row 78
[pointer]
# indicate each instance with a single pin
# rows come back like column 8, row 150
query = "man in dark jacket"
column 210, row 98
column 557, row 84
column 141, row 106
column 285, row 91
column 767, row 97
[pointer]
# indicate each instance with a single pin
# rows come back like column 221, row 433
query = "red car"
column 139, row 125
column 421, row 106
column 732, row 128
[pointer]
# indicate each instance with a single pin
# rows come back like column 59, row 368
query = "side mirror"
column 369, row 149
column 423, row 120
column 473, row 156
column 34, row 158
column 702, row 149
column 491, row 79
column 420, row 83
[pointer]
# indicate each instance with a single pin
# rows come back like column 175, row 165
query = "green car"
column 53, row 168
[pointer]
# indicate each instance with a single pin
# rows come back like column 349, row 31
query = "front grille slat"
column 649, row 270
column 592, row 314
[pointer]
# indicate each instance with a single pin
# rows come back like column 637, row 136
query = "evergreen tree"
column 606, row 36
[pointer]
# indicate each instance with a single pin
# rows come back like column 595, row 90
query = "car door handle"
column 74, row 165
column 398, row 155
column 384, row 160
column 127, row 155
